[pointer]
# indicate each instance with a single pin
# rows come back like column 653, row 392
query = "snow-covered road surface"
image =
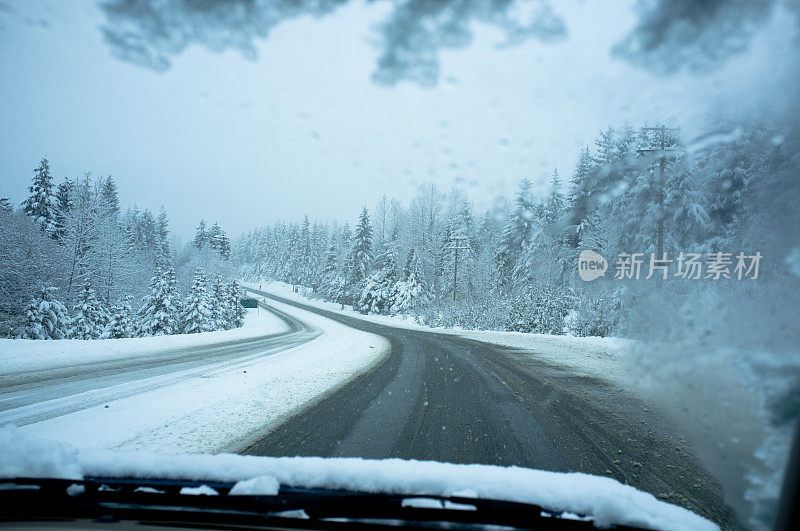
column 100, row 371
column 208, row 395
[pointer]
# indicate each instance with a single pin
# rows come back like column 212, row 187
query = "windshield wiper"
column 158, row 500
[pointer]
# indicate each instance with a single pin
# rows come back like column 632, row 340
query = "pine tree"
column 224, row 246
column 39, row 205
column 5, row 205
column 375, row 298
column 158, row 316
column 361, row 253
column 108, row 191
column 579, row 200
column 330, row 271
column 237, row 312
column 63, row 205
column 579, row 187
column 555, row 203
column 162, row 232
column 122, row 323
column 593, row 234
column 174, row 296
column 218, row 241
column 410, row 292
column 218, row 304
column 148, row 232
column 201, row 236
column 516, row 232
column 89, row 316
column 196, row 311
column 607, row 148
column 46, row 317
column 305, row 271
column 214, row 234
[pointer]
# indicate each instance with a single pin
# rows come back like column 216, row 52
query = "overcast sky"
column 302, row 129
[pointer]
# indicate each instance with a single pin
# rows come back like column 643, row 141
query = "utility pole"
column 662, row 149
column 456, row 244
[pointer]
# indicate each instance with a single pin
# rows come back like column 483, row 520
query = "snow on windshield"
column 557, row 236
column 605, row 500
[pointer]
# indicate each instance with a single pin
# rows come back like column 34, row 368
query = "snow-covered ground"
column 220, row 408
column 29, row 355
column 606, row 500
column 723, row 401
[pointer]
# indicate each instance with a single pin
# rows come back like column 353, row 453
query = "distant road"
column 445, row 398
column 35, row 396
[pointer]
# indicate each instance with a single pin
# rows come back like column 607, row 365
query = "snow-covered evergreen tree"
column 375, row 298
column 330, row 271
column 217, row 240
column 158, row 315
column 579, row 200
column 410, row 292
column 197, row 313
column 201, row 236
column 236, row 312
column 516, row 232
column 46, row 317
column 39, row 205
column 174, row 294
column 162, row 231
column 89, row 316
column 360, row 258
column 63, row 205
column 555, row 206
column 110, row 196
column 122, row 323
column 305, row 271
column 219, row 302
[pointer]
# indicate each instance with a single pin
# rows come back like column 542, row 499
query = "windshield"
column 560, row 236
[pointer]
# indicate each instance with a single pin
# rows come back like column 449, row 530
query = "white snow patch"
column 262, row 485
column 202, row 490
column 75, row 490
column 422, row 503
column 33, row 457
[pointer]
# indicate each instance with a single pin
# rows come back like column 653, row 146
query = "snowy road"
column 445, row 398
column 32, row 396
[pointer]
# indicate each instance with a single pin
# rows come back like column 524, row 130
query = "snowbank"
column 608, row 501
column 218, row 410
column 29, row 355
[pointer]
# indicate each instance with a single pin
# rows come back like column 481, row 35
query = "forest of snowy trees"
column 517, row 264
column 75, row 266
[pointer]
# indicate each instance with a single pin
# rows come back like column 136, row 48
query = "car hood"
column 605, row 500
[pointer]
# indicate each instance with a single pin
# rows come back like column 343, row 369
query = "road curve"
column 34, row 396
column 444, row 398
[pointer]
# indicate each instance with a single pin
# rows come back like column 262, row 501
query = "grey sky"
column 304, row 130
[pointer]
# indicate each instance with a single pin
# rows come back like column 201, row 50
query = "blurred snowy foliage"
column 669, row 35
